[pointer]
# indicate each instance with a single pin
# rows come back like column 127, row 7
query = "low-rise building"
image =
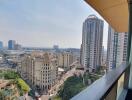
column 65, row 59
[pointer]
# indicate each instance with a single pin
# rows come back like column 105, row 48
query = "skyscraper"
column 122, row 48
column 103, row 56
column 112, row 48
column 116, row 48
column 1, row 45
column 11, row 44
column 92, row 36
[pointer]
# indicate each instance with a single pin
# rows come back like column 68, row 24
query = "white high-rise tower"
column 92, row 37
column 116, row 48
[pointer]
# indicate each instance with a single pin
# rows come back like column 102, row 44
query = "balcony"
column 116, row 84
column 106, row 88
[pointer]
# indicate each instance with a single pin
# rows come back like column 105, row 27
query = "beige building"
column 60, row 60
column 40, row 69
column 65, row 59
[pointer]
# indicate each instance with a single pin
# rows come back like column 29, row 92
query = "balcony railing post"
column 129, row 30
column 126, row 78
column 112, row 94
column 128, row 73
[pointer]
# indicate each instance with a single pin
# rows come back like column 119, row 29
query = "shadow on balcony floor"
column 129, row 95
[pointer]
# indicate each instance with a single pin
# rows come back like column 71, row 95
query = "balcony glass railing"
column 109, row 87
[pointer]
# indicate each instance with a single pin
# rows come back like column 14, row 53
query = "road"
column 55, row 88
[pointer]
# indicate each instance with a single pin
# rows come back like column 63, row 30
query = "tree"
column 11, row 75
column 23, row 86
column 1, row 95
column 72, row 86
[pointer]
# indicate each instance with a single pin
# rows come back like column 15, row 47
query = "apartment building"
column 92, row 37
column 116, row 48
column 40, row 69
column 65, row 59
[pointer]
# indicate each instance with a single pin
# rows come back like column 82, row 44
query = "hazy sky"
column 43, row 23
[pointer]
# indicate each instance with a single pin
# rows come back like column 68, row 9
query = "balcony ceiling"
column 115, row 12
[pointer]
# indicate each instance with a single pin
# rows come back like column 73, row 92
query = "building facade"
column 112, row 48
column 92, row 37
column 18, row 47
column 1, row 45
column 65, row 59
column 103, row 56
column 40, row 70
column 116, row 48
column 11, row 44
column 122, row 48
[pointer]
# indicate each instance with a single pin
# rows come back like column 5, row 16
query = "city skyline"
column 65, row 50
column 44, row 24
